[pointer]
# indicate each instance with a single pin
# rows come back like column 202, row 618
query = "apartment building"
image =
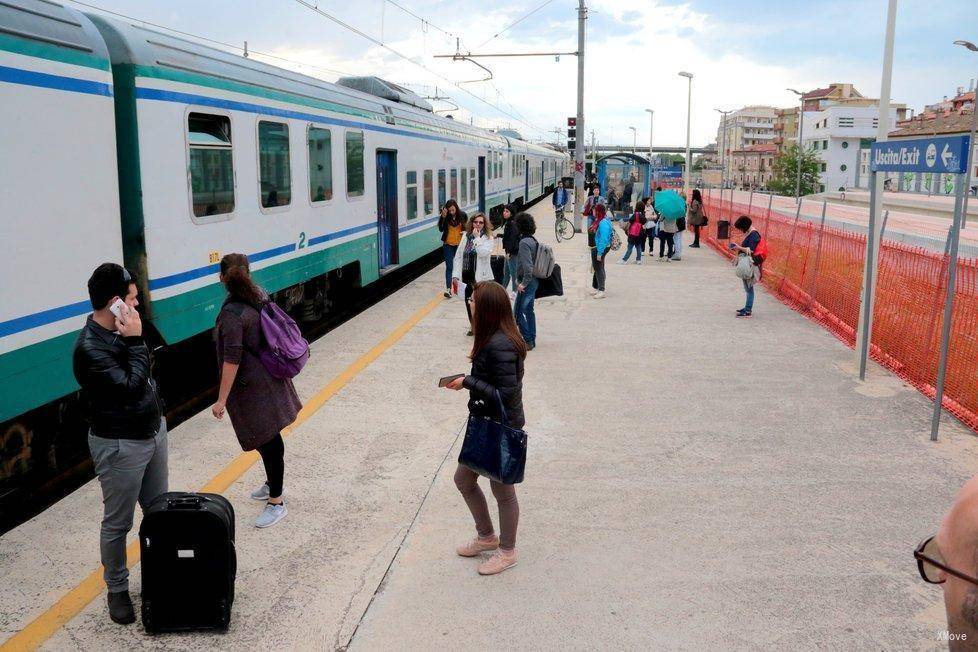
column 753, row 166
column 836, row 134
column 751, row 125
column 785, row 128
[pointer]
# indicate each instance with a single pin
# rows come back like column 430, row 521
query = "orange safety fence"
column 818, row 271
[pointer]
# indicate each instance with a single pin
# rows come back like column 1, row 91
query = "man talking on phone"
column 127, row 435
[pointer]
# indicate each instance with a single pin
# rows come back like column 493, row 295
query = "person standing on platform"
column 526, row 288
column 667, row 230
column 451, row 222
column 498, row 354
column 511, row 245
column 651, row 223
column 635, row 228
column 593, row 200
column 127, row 434
column 599, row 237
column 751, row 245
column 696, row 219
column 473, row 259
column 259, row 404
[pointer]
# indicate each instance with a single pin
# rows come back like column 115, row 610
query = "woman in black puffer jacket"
column 497, row 366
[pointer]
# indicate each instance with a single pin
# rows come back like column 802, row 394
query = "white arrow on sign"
column 946, row 154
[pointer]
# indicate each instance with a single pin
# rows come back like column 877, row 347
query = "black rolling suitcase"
column 188, row 562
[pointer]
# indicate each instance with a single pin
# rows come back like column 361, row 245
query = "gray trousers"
column 129, row 470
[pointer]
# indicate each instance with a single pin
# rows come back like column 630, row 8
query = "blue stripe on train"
column 57, row 82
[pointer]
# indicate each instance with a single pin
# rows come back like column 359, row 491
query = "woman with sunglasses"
column 498, row 353
column 473, row 259
column 451, row 222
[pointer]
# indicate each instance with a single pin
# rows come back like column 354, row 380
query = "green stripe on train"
column 37, row 374
column 52, row 52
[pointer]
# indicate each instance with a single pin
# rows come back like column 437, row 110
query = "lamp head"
column 968, row 44
column 687, row 75
column 795, row 92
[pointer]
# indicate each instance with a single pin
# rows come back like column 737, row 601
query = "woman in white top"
column 473, row 258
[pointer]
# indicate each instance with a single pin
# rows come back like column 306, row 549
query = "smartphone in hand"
column 443, row 382
column 120, row 310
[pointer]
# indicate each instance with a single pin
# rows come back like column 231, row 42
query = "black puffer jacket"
column 116, row 382
column 498, row 366
column 511, row 237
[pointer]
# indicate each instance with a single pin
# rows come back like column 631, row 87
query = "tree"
column 786, row 172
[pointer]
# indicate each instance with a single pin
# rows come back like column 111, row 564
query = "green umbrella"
column 669, row 204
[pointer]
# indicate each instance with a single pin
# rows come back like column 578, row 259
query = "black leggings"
column 665, row 239
column 273, row 457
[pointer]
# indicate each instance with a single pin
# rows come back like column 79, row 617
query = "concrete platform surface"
column 694, row 481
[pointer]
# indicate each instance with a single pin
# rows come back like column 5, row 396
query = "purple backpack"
column 284, row 351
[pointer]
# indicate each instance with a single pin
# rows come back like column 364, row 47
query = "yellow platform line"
column 72, row 603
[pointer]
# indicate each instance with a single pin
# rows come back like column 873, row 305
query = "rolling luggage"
column 188, row 562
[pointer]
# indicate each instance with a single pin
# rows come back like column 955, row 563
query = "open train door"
column 482, row 184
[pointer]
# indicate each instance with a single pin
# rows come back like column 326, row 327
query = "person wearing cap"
column 127, row 434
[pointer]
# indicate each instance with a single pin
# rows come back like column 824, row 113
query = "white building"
column 835, row 134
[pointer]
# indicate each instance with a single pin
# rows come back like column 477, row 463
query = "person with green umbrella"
column 670, row 206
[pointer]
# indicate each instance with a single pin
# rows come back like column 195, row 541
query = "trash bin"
column 723, row 229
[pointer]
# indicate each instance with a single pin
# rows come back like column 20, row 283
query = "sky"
column 740, row 52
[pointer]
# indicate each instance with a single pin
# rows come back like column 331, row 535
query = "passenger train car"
column 121, row 143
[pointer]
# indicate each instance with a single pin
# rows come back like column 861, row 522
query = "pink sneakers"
column 477, row 545
column 499, row 562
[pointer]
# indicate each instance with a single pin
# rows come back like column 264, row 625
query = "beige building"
column 753, row 166
column 785, row 128
column 751, row 125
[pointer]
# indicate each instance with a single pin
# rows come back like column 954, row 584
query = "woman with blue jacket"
column 600, row 229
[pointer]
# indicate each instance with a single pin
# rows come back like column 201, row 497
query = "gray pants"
column 128, row 470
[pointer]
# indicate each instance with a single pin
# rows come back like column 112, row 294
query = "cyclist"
column 560, row 198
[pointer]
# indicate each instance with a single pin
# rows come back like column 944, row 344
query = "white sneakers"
column 599, row 294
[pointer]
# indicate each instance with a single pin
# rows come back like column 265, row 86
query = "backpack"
column 761, row 250
column 283, row 350
column 543, row 260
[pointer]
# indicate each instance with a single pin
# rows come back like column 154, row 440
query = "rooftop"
column 933, row 125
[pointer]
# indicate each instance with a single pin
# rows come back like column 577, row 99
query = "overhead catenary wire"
column 513, row 24
column 315, row 8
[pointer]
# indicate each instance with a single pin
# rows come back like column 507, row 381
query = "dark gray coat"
column 259, row 405
column 498, row 366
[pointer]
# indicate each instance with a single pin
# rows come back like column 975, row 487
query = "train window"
column 465, row 187
column 211, row 165
column 472, row 191
column 412, row 195
column 354, row 163
column 491, row 165
column 320, row 164
column 454, row 187
column 499, row 165
column 441, row 189
column 429, row 192
column 274, row 175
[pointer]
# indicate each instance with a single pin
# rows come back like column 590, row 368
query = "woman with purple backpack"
column 260, row 404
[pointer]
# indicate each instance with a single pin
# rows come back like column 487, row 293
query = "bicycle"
column 563, row 228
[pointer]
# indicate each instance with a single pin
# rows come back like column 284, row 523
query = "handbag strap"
column 504, row 417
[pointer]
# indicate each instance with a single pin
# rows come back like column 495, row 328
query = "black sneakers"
column 120, row 608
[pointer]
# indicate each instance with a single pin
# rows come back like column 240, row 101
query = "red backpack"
column 760, row 251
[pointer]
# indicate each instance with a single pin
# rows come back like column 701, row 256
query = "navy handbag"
column 493, row 448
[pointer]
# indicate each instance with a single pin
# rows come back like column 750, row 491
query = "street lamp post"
column 801, row 131
column 689, row 113
column 971, row 143
column 634, row 139
column 651, row 118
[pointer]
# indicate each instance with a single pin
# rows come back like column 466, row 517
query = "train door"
column 482, row 184
column 386, row 209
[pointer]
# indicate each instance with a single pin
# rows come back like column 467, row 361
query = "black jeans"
column 469, row 289
column 273, row 457
column 696, row 235
column 666, row 239
column 597, row 279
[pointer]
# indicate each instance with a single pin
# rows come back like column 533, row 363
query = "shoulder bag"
column 493, row 448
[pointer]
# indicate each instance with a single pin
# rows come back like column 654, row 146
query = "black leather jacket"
column 511, row 237
column 497, row 366
column 114, row 374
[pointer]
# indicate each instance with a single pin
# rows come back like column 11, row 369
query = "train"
column 125, row 143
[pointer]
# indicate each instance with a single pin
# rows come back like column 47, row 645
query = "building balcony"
column 778, row 140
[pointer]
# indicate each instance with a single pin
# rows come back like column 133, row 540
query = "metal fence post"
column 813, row 286
column 791, row 242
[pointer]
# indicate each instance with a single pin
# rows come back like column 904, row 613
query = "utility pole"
column 689, row 115
column 579, row 149
column 723, row 147
column 801, row 132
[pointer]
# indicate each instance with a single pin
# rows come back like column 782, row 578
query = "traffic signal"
column 571, row 133
column 572, row 121
column 571, row 145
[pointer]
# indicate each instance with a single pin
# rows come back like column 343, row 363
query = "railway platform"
column 694, row 481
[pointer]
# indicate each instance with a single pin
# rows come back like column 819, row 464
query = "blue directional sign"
column 937, row 154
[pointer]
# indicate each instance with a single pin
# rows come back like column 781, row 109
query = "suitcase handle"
column 185, row 502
